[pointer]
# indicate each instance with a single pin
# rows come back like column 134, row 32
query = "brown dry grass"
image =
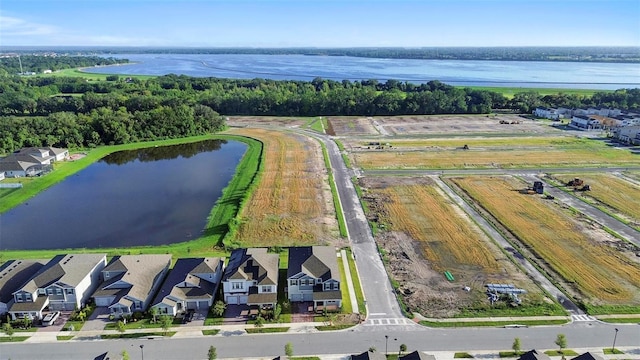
column 597, row 270
column 447, row 240
column 494, row 152
column 620, row 195
column 290, row 205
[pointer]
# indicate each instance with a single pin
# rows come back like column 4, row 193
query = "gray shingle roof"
column 588, row 356
column 253, row 264
column 534, row 355
column 68, row 269
column 14, row 274
column 416, row 355
column 317, row 261
column 368, row 355
column 140, row 271
column 186, row 270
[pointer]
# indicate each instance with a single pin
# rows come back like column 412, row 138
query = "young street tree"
column 166, row 322
column 561, row 341
column 154, row 314
column 288, row 350
column 403, row 348
column 9, row 330
column 213, row 353
column 218, row 308
column 125, row 355
column 120, row 327
column 517, row 346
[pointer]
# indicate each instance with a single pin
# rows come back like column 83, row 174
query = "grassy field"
column 86, row 74
column 615, row 195
column 222, row 214
column 292, row 203
column 509, row 92
column 601, row 273
column 493, row 153
column 447, row 241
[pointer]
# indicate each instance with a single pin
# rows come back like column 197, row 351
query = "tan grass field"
column 447, row 240
column 598, row 270
column 292, row 204
column 508, row 152
column 620, row 196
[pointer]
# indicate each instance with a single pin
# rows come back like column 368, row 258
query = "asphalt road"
column 579, row 335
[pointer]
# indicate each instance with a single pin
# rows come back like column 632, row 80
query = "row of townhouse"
column 132, row 283
column 31, row 161
column 568, row 113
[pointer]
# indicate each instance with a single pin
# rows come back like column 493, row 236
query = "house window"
column 294, row 282
column 336, row 286
column 317, row 281
column 58, row 291
column 69, row 291
column 27, row 297
column 106, row 275
column 236, row 285
column 266, row 289
column 18, row 297
column 49, row 291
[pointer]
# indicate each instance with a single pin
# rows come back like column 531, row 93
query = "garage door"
column 203, row 305
column 192, row 305
column 307, row 297
column 244, row 299
column 104, row 301
column 232, row 300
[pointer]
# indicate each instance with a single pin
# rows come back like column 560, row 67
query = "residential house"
column 62, row 284
column 31, row 161
column 369, row 355
column 534, row 355
column 417, row 355
column 313, row 275
column 251, row 277
column 547, row 113
column 14, row 274
column 628, row 134
column 130, row 281
column 585, row 122
column 588, row 356
column 1, row 175
column 191, row 284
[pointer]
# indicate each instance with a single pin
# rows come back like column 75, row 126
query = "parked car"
column 188, row 316
column 50, row 318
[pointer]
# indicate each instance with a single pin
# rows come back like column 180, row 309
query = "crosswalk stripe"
column 387, row 321
column 582, row 318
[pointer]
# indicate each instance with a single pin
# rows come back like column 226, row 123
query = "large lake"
column 149, row 196
column 579, row 75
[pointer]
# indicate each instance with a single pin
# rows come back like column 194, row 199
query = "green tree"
column 8, row 329
column 218, row 308
column 517, row 346
column 125, row 355
column 372, row 349
column 259, row 321
column 276, row 312
column 154, row 314
column 165, row 322
column 288, row 349
column 213, row 353
column 403, row 348
column 121, row 327
column 561, row 341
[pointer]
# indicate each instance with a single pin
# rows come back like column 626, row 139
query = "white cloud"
column 10, row 26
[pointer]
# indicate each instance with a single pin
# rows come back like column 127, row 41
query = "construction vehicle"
column 575, row 182
column 538, row 187
column 586, row 187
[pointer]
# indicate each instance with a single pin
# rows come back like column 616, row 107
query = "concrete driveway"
column 98, row 320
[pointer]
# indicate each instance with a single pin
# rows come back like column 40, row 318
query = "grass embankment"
column 357, row 287
column 211, row 332
column 612, row 195
column 456, row 324
column 87, row 75
column 289, row 206
column 498, row 152
column 4, row 339
column 222, row 214
column 266, row 330
column 601, row 273
column 334, row 193
column 510, row 92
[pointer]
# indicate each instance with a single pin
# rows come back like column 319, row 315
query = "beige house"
column 251, row 278
column 130, row 281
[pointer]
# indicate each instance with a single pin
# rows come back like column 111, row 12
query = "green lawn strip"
column 610, row 351
column 317, row 125
column 266, row 330
column 87, row 75
column 75, row 325
column 631, row 320
column 462, row 355
column 211, row 320
column 345, row 157
column 611, row 309
column 454, row 324
column 64, row 337
column 222, row 215
column 564, row 352
column 334, row 327
column 509, row 92
column 137, row 335
column 355, row 278
column 334, row 192
column 4, row 339
column 346, row 299
column 210, row 332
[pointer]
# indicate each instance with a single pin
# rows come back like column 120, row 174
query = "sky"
column 312, row 23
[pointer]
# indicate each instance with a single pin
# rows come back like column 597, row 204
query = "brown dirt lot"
column 274, row 121
column 426, row 234
column 292, row 204
column 590, row 263
column 350, row 126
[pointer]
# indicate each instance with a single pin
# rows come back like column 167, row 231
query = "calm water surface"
column 143, row 197
column 455, row 72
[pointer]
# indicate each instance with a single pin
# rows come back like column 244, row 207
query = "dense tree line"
column 72, row 112
column 527, row 53
column 39, row 63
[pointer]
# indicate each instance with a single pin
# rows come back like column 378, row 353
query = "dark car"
column 188, row 316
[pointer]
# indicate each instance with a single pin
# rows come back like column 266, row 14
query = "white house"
column 130, row 282
column 585, row 122
column 547, row 113
column 191, row 284
column 14, row 274
column 31, row 161
column 628, row 134
column 251, row 277
column 313, row 275
column 64, row 283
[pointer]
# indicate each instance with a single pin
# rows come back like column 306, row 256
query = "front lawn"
column 266, row 330
column 136, row 335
